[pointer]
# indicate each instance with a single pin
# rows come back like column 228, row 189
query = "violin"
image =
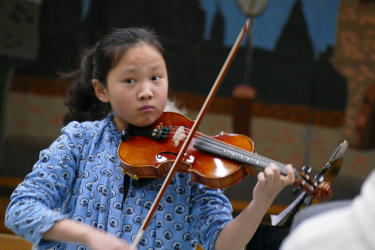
column 218, row 161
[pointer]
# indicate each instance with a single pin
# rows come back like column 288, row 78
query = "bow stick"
column 188, row 139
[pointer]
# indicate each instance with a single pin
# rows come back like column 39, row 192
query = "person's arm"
column 70, row 231
column 36, row 204
column 238, row 233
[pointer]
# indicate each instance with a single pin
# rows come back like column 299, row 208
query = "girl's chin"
column 140, row 121
column 144, row 122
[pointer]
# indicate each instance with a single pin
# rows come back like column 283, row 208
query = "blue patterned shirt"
column 79, row 177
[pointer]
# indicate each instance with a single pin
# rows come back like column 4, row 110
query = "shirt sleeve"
column 211, row 212
column 35, row 204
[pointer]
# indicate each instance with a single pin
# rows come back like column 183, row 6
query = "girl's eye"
column 156, row 78
column 129, row 81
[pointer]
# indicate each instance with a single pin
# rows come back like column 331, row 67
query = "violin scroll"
column 321, row 183
column 324, row 191
column 314, row 187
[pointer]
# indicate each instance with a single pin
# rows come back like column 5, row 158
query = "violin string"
column 222, row 145
column 260, row 161
column 252, row 157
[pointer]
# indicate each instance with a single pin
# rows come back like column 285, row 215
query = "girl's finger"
column 276, row 172
column 290, row 178
column 270, row 174
column 261, row 177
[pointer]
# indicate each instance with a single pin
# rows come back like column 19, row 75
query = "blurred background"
column 303, row 79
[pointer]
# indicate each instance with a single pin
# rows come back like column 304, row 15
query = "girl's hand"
column 270, row 183
column 102, row 240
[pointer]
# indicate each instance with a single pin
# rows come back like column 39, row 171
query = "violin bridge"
column 179, row 136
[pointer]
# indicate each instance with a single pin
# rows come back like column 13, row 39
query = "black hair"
column 96, row 63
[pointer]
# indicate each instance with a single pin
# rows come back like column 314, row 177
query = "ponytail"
column 82, row 103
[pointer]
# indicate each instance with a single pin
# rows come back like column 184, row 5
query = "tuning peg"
column 320, row 178
column 306, row 169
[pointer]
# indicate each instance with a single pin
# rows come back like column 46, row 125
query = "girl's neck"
column 119, row 125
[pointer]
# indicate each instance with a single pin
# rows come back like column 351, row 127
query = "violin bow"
column 189, row 137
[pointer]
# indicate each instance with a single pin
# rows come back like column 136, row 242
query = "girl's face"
column 137, row 88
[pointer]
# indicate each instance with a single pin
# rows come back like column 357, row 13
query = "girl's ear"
column 100, row 90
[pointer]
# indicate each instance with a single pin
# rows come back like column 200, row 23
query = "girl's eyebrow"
column 129, row 70
column 134, row 69
column 155, row 67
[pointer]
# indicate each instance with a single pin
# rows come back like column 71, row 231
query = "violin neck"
column 239, row 155
column 230, row 152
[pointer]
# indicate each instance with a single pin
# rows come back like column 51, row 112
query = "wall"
column 354, row 56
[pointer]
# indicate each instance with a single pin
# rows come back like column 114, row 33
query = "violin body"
column 145, row 157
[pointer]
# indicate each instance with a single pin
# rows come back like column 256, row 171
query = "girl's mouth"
column 146, row 108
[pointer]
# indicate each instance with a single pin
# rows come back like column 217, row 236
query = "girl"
column 76, row 197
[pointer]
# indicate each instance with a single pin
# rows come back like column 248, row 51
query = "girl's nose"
column 145, row 91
